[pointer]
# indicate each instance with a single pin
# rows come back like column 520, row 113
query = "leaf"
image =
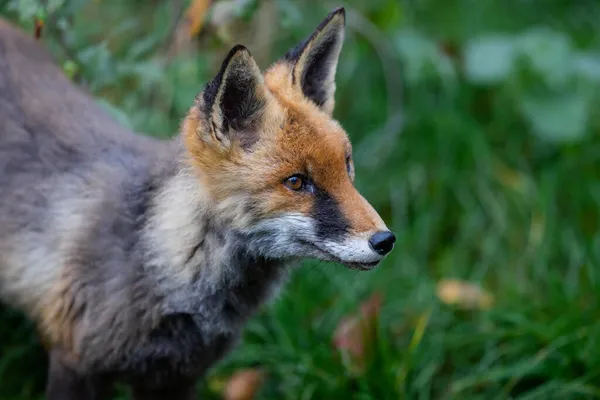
column 195, row 15
column 537, row 228
column 70, row 68
column 419, row 332
column 189, row 26
column 355, row 334
column 39, row 25
column 147, row 72
column 463, row 294
column 116, row 113
column 511, row 178
column 422, row 58
column 588, row 66
column 225, row 14
column 99, row 62
column 244, row 385
column 26, row 9
column 54, row 5
column 558, row 118
column 549, row 54
column 489, row 59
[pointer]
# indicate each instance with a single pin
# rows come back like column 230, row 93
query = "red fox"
column 140, row 260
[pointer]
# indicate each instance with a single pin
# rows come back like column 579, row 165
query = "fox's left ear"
column 314, row 61
column 234, row 101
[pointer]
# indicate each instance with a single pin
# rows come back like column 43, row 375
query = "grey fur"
column 111, row 244
column 81, row 196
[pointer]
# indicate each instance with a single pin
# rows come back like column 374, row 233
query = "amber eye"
column 294, row 182
column 349, row 167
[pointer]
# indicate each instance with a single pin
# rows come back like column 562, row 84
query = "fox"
column 139, row 260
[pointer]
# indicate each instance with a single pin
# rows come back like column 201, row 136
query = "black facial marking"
column 331, row 223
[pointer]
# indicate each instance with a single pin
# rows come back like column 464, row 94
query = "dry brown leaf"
column 38, row 27
column 189, row 26
column 195, row 16
column 355, row 335
column 463, row 294
column 244, row 385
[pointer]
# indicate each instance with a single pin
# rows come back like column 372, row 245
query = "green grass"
column 477, row 183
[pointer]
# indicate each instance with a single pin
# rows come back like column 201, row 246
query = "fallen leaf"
column 463, row 294
column 244, row 385
column 39, row 25
column 355, row 334
column 189, row 26
column 195, row 15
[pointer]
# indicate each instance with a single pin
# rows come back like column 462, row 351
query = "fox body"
column 140, row 260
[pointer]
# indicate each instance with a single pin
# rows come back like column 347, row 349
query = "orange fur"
column 296, row 136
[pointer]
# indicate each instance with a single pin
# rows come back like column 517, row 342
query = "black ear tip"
column 341, row 11
column 212, row 87
column 238, row 48
column 235, row 50
column 336, row 15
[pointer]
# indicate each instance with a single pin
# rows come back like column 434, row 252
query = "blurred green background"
column 475, row 126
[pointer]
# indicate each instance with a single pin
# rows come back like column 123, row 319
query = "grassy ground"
column 475, row 128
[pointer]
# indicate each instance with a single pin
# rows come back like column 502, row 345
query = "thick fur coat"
column 140, row 260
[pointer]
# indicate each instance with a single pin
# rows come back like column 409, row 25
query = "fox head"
column 275, row 162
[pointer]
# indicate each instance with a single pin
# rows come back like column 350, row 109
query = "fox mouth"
column 360, row 266
column 327, row 256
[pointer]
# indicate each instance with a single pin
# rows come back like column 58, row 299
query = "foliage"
column 475, row 126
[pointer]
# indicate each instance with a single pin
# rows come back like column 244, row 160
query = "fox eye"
column 349, row 167
column 295, row 182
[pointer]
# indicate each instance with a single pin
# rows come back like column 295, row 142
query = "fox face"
column 276, row 164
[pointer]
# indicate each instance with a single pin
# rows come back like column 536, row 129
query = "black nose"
column 382, row 242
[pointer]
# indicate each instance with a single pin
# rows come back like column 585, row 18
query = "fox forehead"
column 315, row 144
column 304, row 142
column 307, row 135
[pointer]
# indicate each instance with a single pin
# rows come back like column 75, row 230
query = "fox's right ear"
column 234, row 101
column 314, row 61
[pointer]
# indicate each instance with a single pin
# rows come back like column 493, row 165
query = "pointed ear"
column 234, row 101
column 314, row 62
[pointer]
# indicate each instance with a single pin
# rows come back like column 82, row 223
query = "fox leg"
column 182, row 391
column 64, row 383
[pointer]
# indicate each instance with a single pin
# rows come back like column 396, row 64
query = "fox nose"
column 382, row 242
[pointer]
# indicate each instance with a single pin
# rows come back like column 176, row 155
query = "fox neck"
column 202, row 264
